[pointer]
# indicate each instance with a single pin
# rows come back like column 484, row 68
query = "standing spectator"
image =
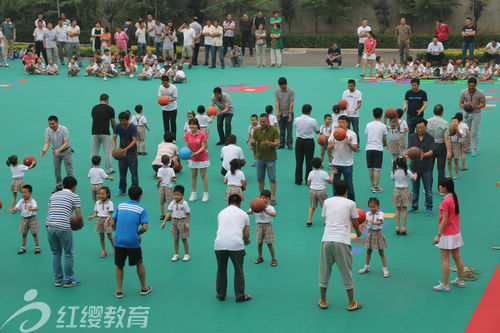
column 170, row 110
column 159, row 28
column 51, row 43
column 369, row 55
column 339, row 214
column 121, row 39
column 128, row 139
column 207, row 40
column 3, row 54
column 442, row 31
column 260, row 45
column 275, row 46
column 435, row 51
column 140, row 34
column 62, row 40
column 353, row 97
column 246, row 34
column 265, row 139
column 39, row 37
column 96, row 35
column 415, row 104
column 224, row 114
column 305, row 127
column 258, row 20
column 102, row 116
column 170, row 26
column 492, row 52
column 422, row 166
column 9, row 34
column 216, row 35
column 65, row 20
column 362, row 34
column 477, row 98
column 276, row 24
column 74, row 42
column 58, row 136
column 233, row 233
column 187, row 48
column 403, row 34
column 150, row 29
column 126, row 29
column 105, row 40
column 334, row 55
column 197, row 29
column 468, row 33
column 40, row 19
column 169, row 40
column 59, row 234
column 228, row 26
column 440, row 131
column 284, row 99
column 196, row 140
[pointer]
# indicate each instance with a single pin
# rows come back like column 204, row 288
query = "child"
column 3, row 53
column 171, row 71
column 326, row 130
column 98, row 68
column 403, row 128
column 264, row 228
column 130, row 67
column 29, row 61
column 236, row 56
column 18, row 171
column 495, row 68
column 455, row 148
column 317, row 189
column 73, row 68
column 190, row 115
column 155, row 68
column 103, row 209
column 392, row 70
column 379, row 68
column 39, row 67
column 97, row 176
column 336, row 113
column 230, row 152
column 449, row 68
column 487, row 73
column 203, row 120
column 443, row 75
column 180, row 213
column 401, row 198
column 404, row 72
column 235, row 180
column 166, row 176
column 254, row 119
column 114, row 72
column 273, row 121
column 465, row 137
column 375, row 239
column 141, row 122
column 475, row 67
column 414, row 71
column 468, row 72
column 456, row 74
column 393, row 144
column 52, row 68
column 90, row 70
column 29, row 221
column 376, row 140
column 106, row 64
column 147, row 72
column 428, row 71
column 180, row 76
column 410, row 61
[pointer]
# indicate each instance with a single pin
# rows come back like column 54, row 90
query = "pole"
column 58, row 10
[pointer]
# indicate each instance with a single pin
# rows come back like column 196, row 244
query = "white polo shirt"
column 352, row 98
column 39, row 34
column 166, row 175
column 24, row 206
column 438, row 47
column 103, row 208
column 342, row 153
column 179, row 209
column 97, row 176
column 207, row 39
column 231, row 221
column 73, row 39
column 305, row 127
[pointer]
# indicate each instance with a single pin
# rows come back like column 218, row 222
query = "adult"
column 102, row 116
column 121, row 39
column 423, row 166
column 65, row 20
column 167, row 147
column 196, row 47
column 468, row 33
column 105, row 40
column 140, row 34
column 149, row 57
column 126, row 29
column 196, row 140
column 265, row 139
column 333, row 55
column 58, row 136
column 62, row 40
column 435, row 51
column 492, row 52
column 246, row 34
column 403, row 35
column 442, row 31
column 415, row 104
column 40, row 19
column 477, row 99
column 207, row 40
column 128, row 139
column 339, row 214
column 159, row 29
column 73, row 32
column 353, row 97
column 9, row 35
column 284, row 100
column 59, row 234
column 276, row 50
column 39, row 38
column 169, row 39
column 305, row 128
column 189, row 35
column 216, row 35
column 224, row 115
column 50, row 44
column 258, row 20
column 127, row 218
column 440, row 131
column 276, row 25
column 362, row 34
column 369, row 54
column 229, row 27
column 233, row 233
column 150, row 29
column 95, row 39
column 260, row 45
column 170, row 25
column 343, row 157
column 229, row 153
column 170, row 110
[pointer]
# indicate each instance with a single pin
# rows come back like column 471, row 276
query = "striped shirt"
column 61, row 205
column 129, row 215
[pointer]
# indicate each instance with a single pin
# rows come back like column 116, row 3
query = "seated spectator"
column 236, row 56
column 435, row 51
column 334, row 55
column 492, row 52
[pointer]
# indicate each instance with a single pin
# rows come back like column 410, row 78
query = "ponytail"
column 235, row 165
column 457, row 208
column 450, row 188
column 12, row 160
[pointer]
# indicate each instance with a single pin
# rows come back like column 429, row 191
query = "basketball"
column 178, row 167
column 391, row 113
column 1, row 204
column 28, row 160
column 414, row 153
column 211, row 111
column 163, row 100
column 76, row 223
column 342, row 104
column 468, row 107
column 362, row 216
column 258, row 205
column 459, row 61
column 118, row 153
column 185, row 153
column 339, row 134
column 453, row 129
column 322, row 139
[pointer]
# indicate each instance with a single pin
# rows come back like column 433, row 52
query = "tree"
column 288, row 11
column 237, row 7
column 318, row 9
column 383, row 13
column 407, row 10
column 427, row 9
column 476, row 7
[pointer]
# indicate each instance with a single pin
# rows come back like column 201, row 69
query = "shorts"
column 262, row 167
column 166, row 195
column 456, row 150
column 369, row 57
column 316, row 196
column 374, row 159
column 187, row 52
column 178, row 228
column 361, row 48
column 106, row 68
column 465, row 145
column 16, row 185
column 232, row 189
column 264, row 231
column 94, row 188
column 141, row 133
column 102, row 228
column 29, row 223
column 134, row 256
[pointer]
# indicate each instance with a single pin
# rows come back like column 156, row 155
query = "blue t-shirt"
column 129, row 215
column 335, row 52
column 126, row 136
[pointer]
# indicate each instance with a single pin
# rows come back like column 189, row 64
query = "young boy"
column 254, row 119
column 317, row 189
column 142, row 124
column 456, row 74
column 487, row 73
column 273, row 121
column 52, row 68
column 468, row 72
column 179, row 211
column 27, row 206
column 428, row 71
column 465, row 137
column 180, row 76
column 147, row 72
column 236, row 56
column 455, row 148
column 166, row 176
column 90, row 70
column 443, row 74
column 106, row 64
column 404, row 72
column 264, row 229
column 326, row 130
column 97, row 176
column 475, row 67
column 73, row 69
column 392, row 70
column 376, row 133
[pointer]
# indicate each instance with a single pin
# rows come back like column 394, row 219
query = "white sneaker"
column 357, row 66
column 364, row 270
column 105, row 78
column 175, row 257
column 386, row 273
column 186, row 258
column 131, row 75
column 205, row 197
column 193, row 196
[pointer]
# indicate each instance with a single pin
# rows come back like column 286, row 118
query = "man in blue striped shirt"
column 59, row 234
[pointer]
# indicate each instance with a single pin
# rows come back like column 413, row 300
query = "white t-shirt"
column 18, row 171
column 338, row 212
column 24, row 205
column 179, row 209
column 400, row 179
column 141, row 35
column 428, row 70
column 463, row 128
column 179, row 74
column 40, row 66
column 229, row 153
column 263, row 217
column 392, row 69
column 487, row 71
column 326, row 130
column 370, row 217
column 203, row 120
column 52, row 68
column 166, row 175
column 236, row 179
column 379, row 67
column 103, row 208
column 403, row 125
column 207, row 30
column 272, row 119
column 62, row 33
column 335, row 119
column 73, row 39
column 169, row 92
column 148, row 72
column 342, row 153
column 138, row 120
column 318, row 179
column 375, row 131
column 393, row 134
column 188, row 36
column 97, row 176
column 404, row 70
column 72, row 65
column 449, row 69
column 362, row 30
column 352, row 99
column 251, row 129
column 231, row 221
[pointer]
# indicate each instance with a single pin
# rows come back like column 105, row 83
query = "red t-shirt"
column 129, row 60
column 448, row 205
column 28, row 60
column 442, row 32
column 370, row 45
column 194, row 142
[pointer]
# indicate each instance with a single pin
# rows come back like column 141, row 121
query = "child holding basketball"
column 273, row 121
column 18, row 171
column 190, row 115
column 166, row 176
column 142, row 124
column 73, row 68
column 455, row 147
column 179, row 212
column 316, row 181
column 97, row 176
column 326, row 130
column 254, row 119
column 401, row 198
column 103, row 210
column 203, row 120
column 465, row 137
column 235, row 180
column 403, row 128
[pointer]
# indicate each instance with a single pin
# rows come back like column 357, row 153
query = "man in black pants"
column 246, row 34
column 196, row 47
column 226, row 110
column 305, row 127
column 414, row 105
column 170, row 109
column 440, row 130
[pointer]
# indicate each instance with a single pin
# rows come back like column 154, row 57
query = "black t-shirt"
column 469, row 39
column 258, row 21
column 126, row 136
column 101, row 116
column 415, row 102
column 246, row 26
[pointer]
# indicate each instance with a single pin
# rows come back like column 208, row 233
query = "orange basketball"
column 322, row 139
column 362, row 216
column 163, row 100
column 342, row 104
column 211, row 111
column 177, row 167
column 339, row 134
column 28, row 160
column 391, row 113
column 459, row 61
column 258, row 205
column 414, row 153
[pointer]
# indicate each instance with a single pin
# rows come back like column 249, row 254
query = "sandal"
column 244, row 299
column 118, row 294
column 146, row 291
column 259, row 260
column 464, row 169
column 162, row 217
column 356, row 306
column 38, row 250
column 274, row 263
column 308, row 224
column 398, row 231
column 103, row 254
column 323, row 306
column 403, row 232
column 21, row 251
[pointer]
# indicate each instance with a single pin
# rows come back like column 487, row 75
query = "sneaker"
column 186, row 258
column 457, row 283
column 105, row 78
column 131, row 75
column 280, row 147
column 146, row 291
column 330, row 66
column 372, row 188
column 386, row 273
column 58, row 284
column 428, row 212
column 205, row 197
column 473, row 154
column 120, row 193
column 193, row 196
column 357, row 66
column 253, row 164
column 175, row 257
column 290, row 147
column 6, row 65
column 377, row 189
column 441, row 288
column 73, row 283
column 364, row 270
column 412, row 210
column 340, row 67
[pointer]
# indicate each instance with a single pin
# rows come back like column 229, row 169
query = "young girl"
column 336, row 113
column 235, row 180
column 449, row 239
column 375, row 239
column 141, row 122
column 190, row 115
column 393, row 139
column 455, row 148
column 103, row 209
column 18, row 171
column 403, row 128
column 254, row 124
column 392, row 70
column 428, row 71
column 404, row 72
column 379, row 68
column 73, row 68
column 39, row 67
column 130, row 67
column 465, row 137
column 401, row 197
column 203, row 120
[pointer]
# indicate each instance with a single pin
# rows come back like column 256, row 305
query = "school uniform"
column 317, row 190
column 96, row 176
column 103, row 209
column 179, row 211
column 17, row 177
column 203, row 121
column 402, row 195
column 29, row 221
column 166, row 186
column 139, row 120
column 264, row 229
column 234, row 185
column 374, row 238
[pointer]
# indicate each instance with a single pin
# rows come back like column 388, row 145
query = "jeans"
column 227, row 41
column 61, row 48
column 337, row 60
column 216, row 49
column 260, row 51
column 440, row 155
column 76, row 46
column 169, row 122
column 467, row 46
column 236, row 61
column 427, row 181
column 472, row 120
column 347, row 171
column 196, row 50
column 224, row 119
column 208, row 48
column 287, row 126
column 275, row 57
column 237, row 258
column 67, row 157
column 445, row 44
column 246, row 40
column 129, row 162
column 60, row 240
column 263, row 166
column 303, row 148
column 105, row 140
column 404, row 51
column 141, row 50
column 40, row 50
column 51, row 54
column 158, row 47
column 354, row 121
column 412, row 123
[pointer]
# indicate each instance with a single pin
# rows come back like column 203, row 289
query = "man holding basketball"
column 226, row 111
column 477, row 99
column 170, row 109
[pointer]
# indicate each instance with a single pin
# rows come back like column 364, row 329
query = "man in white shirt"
column 73, row 32
column 207, row 40
column 376, row 132
column 435, row 51
column 492, row 52
column 305, row 128
column 353, row 98
column 216, row 35
column 229, row 27
column 150, row 30
column 39, row 38
column 233, row 234
column 362, row 34
column 169, row 110
column 229, row 153
column 189, row 40
column 197, row 29
column 62, row 40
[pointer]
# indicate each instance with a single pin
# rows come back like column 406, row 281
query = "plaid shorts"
column 29, row 223
column 178, row 229
column 166, row 195
column 94, row 188
column 456, row 149
column 101, row 228
column 264, row 230
column 316, row 196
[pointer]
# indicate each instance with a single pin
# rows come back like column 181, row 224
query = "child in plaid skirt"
column 103, row 209
column 235, row 180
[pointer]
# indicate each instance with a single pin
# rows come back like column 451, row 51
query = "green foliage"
column 383, row 14
column 288, row 11
column 455, row 54
column 238, row 7
column 477, row 7
column 318, row 9
column 427, row 9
